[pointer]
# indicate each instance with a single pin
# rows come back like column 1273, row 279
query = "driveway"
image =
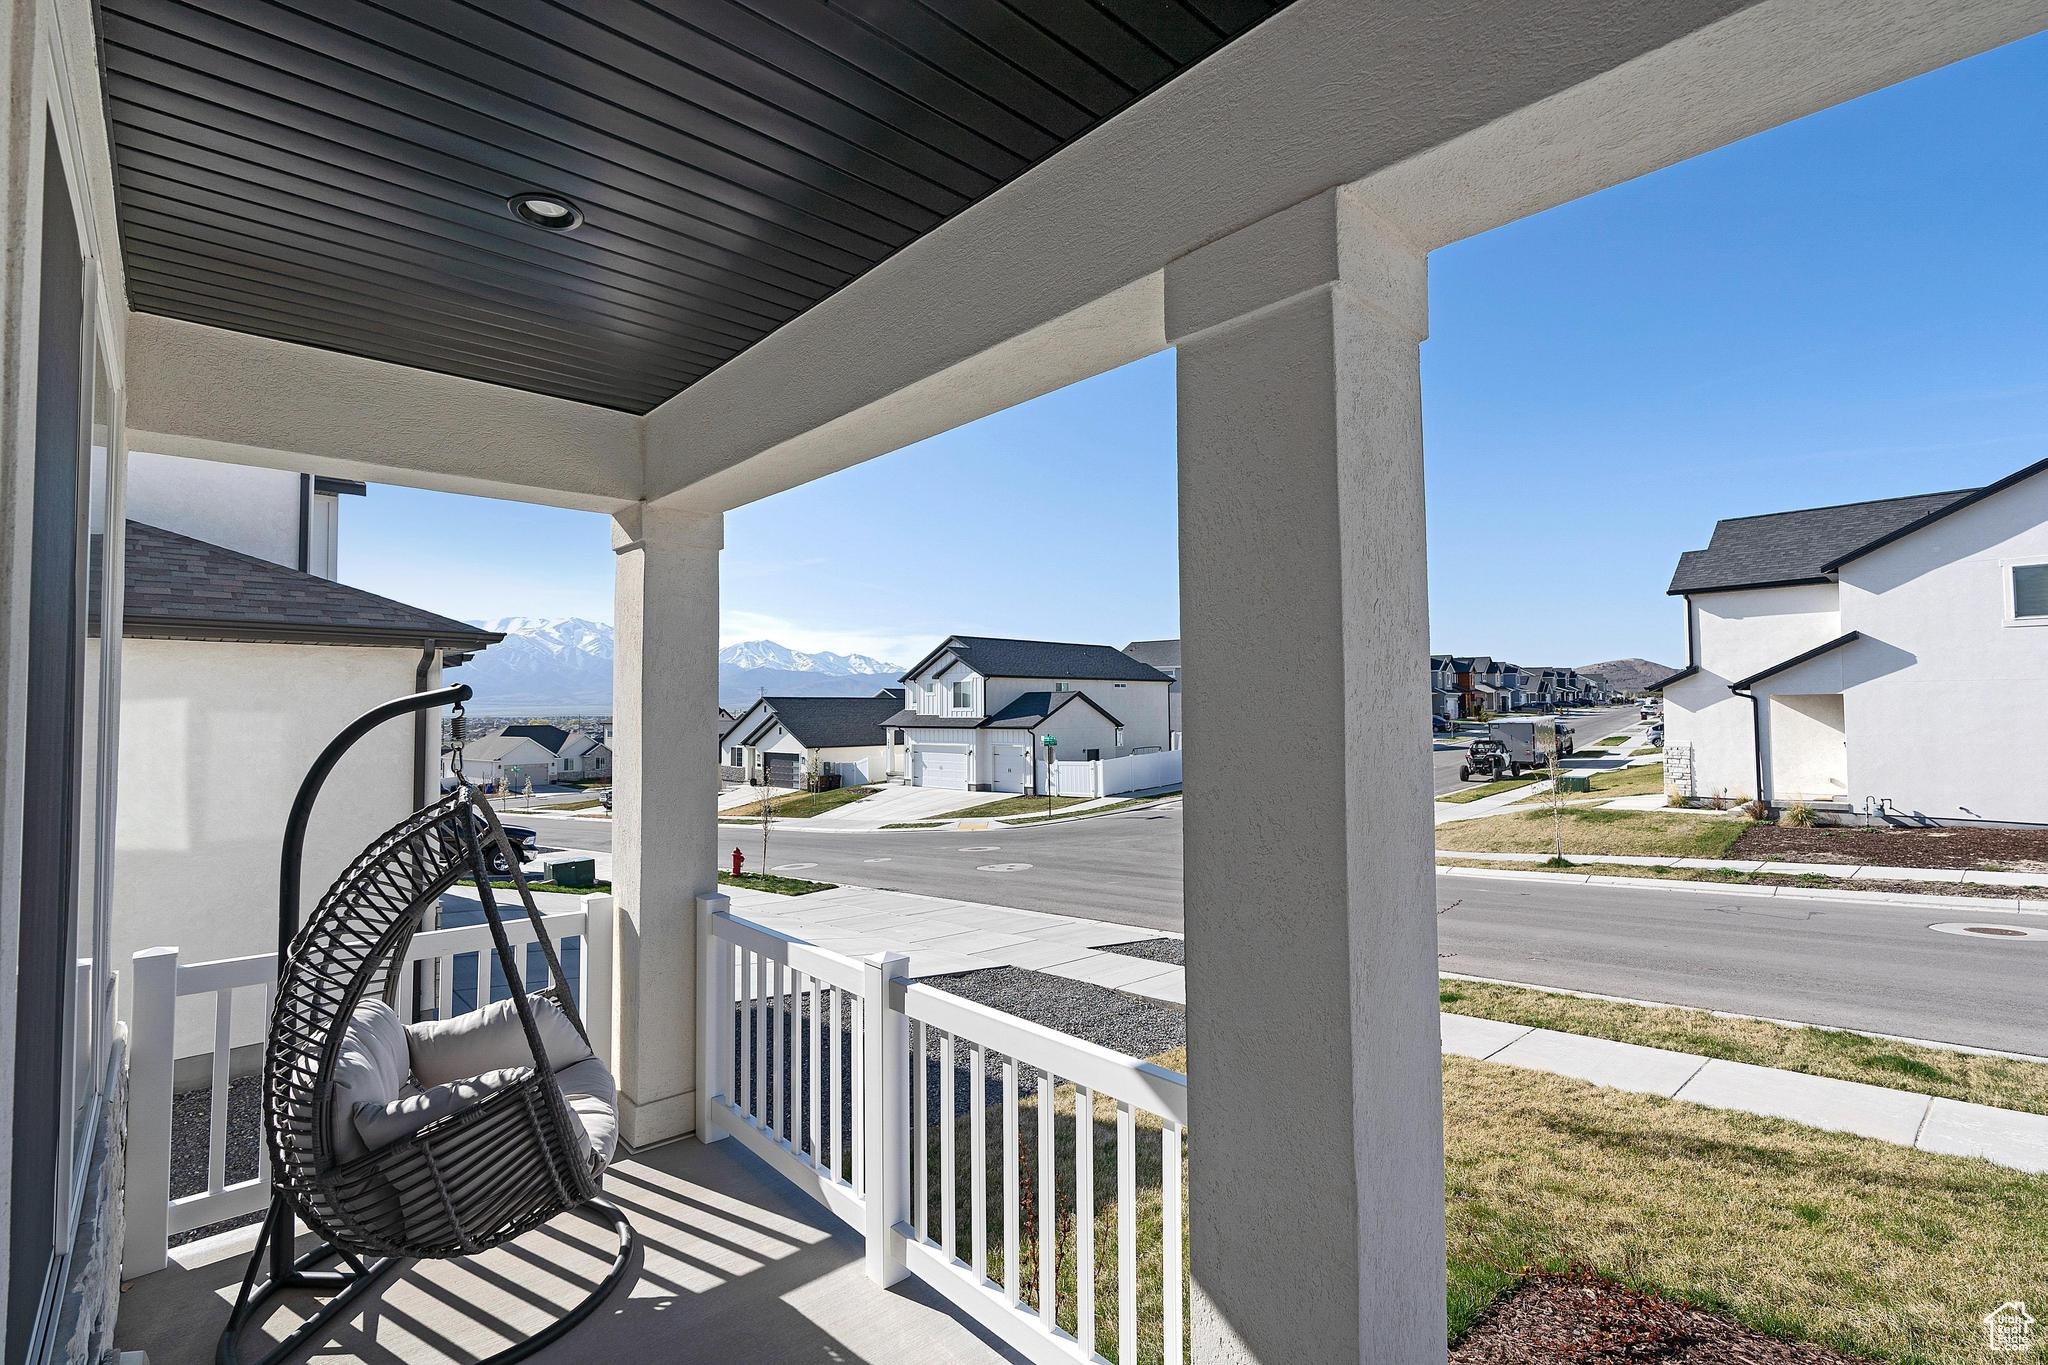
column 894, row 804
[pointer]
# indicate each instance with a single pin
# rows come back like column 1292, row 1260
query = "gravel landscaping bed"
column 1592, row 1322
column 191, row 1117
column 2011, row 850
column 1173, row 951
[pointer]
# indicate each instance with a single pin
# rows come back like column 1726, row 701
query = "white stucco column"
column 664, row 821
column 1316, row 1191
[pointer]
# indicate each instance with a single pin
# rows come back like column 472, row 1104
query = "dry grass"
column 1593, row 831
column 1819, row 1052
column 1506, row 784
column 1876, row 1250
column 1148, row 1211
column 1012, row 805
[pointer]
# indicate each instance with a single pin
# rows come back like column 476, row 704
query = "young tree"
column 767, row 819
column 1556, row 756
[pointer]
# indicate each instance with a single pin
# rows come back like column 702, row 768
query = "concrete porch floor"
column 733, row 1264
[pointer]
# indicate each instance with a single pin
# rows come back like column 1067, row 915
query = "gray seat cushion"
column 593, row 1101
column 372, row 1070
column 380, row 1125
column 490, row 1038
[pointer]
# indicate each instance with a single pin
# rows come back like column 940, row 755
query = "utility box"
column 570, row 869
column 1574, row 784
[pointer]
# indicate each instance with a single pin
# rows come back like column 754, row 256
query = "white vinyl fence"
column 161, row 981
column 1109, row 776
column 844, row 1077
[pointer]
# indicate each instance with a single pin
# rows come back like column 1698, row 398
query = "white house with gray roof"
column 782, row 741
column 1856, row 657
column 978, row 711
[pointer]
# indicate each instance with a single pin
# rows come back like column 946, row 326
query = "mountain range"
column 549, row 666
column 1628, row 675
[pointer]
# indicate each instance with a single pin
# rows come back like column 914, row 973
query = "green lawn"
column 1011, row 805
column 1645, row 780
column 1099, row 810
column 918, row 824
column 1999, row 1081
column 1613, row 740
column 802, row 805
column 1879, row 1251
column 1590, row 831
column 781, row 886
column 1506, row 784
column 597, row 888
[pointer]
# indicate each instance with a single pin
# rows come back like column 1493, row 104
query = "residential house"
column 1446, row 698
column 236, row 671
column 980, row 709
column 583, row 757
column 596, row 296
column 785, row 741
column 1163, row 655
column 573, row 755
column 1849, row 657
column 507, row 760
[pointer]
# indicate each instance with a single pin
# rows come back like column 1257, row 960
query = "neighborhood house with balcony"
column 1848, row 657
column 979, row 710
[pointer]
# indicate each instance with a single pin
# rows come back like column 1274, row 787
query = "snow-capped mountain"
column 547, row 666
column 542, row 667
column 768, row 654
column 758, row 668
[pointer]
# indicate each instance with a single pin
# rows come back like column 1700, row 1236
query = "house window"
column 2026, row 600
column 963, row 695
column 1062, row 687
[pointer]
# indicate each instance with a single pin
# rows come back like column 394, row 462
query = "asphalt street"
column 1846, row 964
column 1589, row 729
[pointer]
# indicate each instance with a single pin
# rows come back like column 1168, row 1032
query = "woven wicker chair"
column 464, row 1183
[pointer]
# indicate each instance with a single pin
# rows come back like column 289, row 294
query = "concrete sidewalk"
column 2004, row 1136
column 943, row 937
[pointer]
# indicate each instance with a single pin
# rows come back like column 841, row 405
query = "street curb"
column 2009, row 905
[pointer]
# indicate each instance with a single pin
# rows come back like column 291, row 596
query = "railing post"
column 152, row 1057
column 714, row 1013
column 885, row 1113
column 597, row 975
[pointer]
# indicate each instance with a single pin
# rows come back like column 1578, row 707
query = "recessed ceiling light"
column 555, row 212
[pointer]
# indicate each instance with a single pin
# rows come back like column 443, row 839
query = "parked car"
column 605, row 798
column 1649, row 710
column 523, row 840
column 1439, row 725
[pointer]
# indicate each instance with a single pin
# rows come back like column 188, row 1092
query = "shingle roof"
column 999, row 658
column 833, row 722
column 1798, row 547
column 492, row 748
column 1032, row 709
column 549, row 737
column 180, row 587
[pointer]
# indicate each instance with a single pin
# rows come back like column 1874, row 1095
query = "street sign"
column 1051, row 740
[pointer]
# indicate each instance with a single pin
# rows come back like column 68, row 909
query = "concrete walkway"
column 944, row 937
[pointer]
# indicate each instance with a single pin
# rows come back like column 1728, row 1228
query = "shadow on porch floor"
column 733, row 1265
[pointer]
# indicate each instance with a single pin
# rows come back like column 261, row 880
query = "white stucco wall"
column 1806, row 746
column 242, row 507
column 1740, row 633
column 1939, row 669
column 215, row 738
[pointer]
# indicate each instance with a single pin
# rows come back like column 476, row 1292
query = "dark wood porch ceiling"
column 336, row 172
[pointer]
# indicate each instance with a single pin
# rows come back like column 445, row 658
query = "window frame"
column 2009, row 575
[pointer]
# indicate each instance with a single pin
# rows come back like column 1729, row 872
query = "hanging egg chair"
column 394, row 1140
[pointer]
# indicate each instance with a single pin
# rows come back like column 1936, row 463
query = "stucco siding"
column 242, row 507
column 215, row 738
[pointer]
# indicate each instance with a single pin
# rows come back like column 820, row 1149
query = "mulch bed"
column 2013, row 850
column 1556, row 1318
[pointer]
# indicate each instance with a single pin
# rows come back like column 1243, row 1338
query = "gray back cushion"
column 372, row 1069
column 490, row 1038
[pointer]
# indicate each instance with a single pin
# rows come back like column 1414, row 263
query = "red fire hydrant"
column 737, row 859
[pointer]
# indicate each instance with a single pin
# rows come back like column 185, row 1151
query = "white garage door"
column 1010, row 768
column 936, row 768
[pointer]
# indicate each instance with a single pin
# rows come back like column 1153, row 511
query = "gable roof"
column 1783, row 548
column 1032, row 709
column 497, row 748
column 549, row 737
column 994, row 657
column 181, row 588
column 1797, row 659
column 829, row 722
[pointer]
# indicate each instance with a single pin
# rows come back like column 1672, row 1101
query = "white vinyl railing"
column 161, row 981
column 800, row 1047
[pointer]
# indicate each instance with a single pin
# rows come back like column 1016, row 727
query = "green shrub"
column 1799, row 814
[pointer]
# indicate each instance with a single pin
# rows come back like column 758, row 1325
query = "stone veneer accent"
column 85, row 1330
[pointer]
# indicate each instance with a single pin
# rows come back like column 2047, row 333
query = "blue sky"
column 1852, row 306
